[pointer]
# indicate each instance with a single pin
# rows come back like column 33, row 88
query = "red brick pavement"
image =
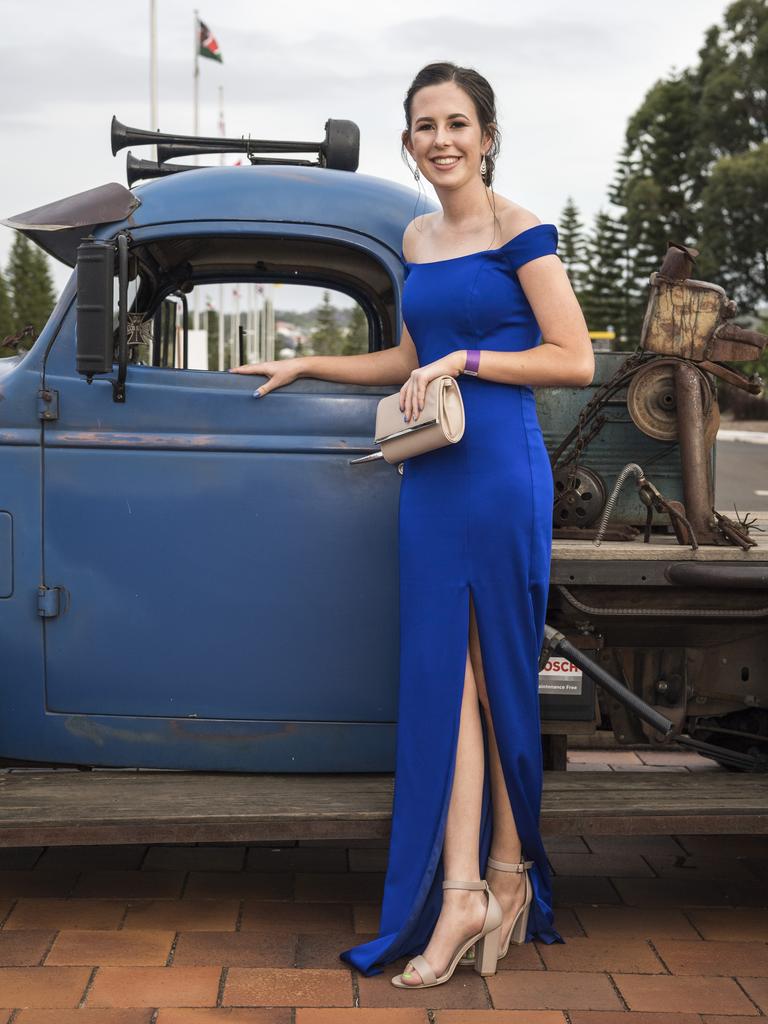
column 659, row 930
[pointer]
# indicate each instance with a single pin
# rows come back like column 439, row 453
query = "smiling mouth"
column 445, row 161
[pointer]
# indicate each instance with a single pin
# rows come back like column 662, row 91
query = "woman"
column 483, row 286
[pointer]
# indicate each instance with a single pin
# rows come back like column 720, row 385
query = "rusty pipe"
column 698, row 492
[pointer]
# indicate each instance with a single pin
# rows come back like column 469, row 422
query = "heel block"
column 487, row 952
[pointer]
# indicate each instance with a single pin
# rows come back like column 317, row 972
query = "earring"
column 416, row 173
column 483, row 166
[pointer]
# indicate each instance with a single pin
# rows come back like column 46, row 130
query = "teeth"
column 445, row 159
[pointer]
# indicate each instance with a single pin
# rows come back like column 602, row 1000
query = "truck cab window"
column 235, row 322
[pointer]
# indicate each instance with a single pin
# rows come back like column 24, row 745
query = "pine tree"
column 626, row 168
column 20, row 281
column 734, row 253
column 604, row 295
column 212, row 326
column 572, row 246
column 326, row 338
column 6, row 316
column 620, row 247
column 30, row 284
column 674, row 181
column 660, row 137
column 356, row 340
column 46, row 293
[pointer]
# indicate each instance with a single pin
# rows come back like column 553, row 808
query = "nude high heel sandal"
column 487, row 940
column 520, row 923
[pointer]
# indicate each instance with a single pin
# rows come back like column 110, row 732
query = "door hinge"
column 50, row 601
column 48, row 404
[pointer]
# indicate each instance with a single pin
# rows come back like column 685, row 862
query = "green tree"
column 6, row 317
column 47, row 292
column 647, row 236
column 572, row 247
column 326, row 338
column 657, row 189
column 30, row 284
column 356, row 339
column 212, row 326
column 619, row 253
column 660, row 137
column 691, row 167
column 734, row 246
column 626, row 168
column 604, row 297
column 731, row 80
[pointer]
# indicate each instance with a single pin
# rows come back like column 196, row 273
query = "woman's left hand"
column 412, row 393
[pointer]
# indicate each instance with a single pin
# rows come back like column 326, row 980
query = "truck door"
column 217, row 556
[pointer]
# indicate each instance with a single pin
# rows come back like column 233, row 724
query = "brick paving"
column 669, row 929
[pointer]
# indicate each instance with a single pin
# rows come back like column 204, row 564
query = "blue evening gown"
column 473, row 515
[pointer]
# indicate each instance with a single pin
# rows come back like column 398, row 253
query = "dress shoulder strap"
column 539, row 240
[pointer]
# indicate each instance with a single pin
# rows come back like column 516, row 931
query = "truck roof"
column 317, row 196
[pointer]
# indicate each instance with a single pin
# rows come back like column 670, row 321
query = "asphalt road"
column 741, row 472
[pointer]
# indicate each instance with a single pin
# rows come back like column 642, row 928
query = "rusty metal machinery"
column 579, row 496
column 738, row 741
column 686, row 331
column 652, row 400
column 692, row 320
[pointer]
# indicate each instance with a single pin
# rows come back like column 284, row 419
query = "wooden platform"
column 664, row 548
column 69, row 807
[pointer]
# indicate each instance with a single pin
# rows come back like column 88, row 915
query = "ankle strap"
column 482, row 884
column 503, row 866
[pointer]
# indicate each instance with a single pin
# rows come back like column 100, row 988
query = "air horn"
column 339, row 150
column 140, row 170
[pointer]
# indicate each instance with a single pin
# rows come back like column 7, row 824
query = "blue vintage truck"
column 194, row 580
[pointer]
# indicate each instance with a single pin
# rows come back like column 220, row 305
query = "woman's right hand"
column 279, row 371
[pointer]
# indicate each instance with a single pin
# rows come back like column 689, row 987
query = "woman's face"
column 445, row 138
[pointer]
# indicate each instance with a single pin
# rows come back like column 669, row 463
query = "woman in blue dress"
column 467, row 871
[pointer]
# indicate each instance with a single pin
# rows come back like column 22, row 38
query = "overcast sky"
column 567, row 76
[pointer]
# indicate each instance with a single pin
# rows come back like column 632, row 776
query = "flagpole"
column 196, row 76
column 153, row 116
column 222, row 126
column 195, row 116
column 222, row 132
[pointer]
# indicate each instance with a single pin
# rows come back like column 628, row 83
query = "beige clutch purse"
column 440, row 422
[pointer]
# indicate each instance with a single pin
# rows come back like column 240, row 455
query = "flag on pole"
column 208, row 47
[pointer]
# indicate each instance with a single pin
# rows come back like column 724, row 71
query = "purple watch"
column 472, row 363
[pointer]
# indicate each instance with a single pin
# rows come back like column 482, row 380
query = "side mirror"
column 95, row 299
column 95, row 304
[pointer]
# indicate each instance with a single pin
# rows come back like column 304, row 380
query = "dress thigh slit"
column 508, row 629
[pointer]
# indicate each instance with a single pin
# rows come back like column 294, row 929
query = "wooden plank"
column 65, row 807
column 644, row 803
